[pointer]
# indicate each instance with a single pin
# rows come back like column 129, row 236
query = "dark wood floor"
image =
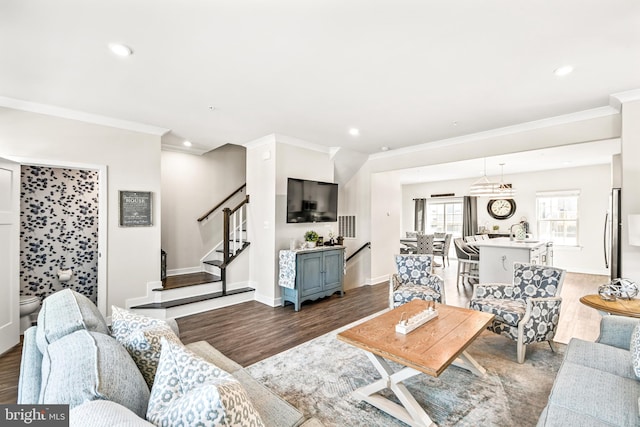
column 251, row 331
column 248, row 332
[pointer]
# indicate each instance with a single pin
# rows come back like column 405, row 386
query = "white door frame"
column 10, row 220
column 102, row 215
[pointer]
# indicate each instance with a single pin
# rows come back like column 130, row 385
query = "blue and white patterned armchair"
column 526, row 311
column 414, row 280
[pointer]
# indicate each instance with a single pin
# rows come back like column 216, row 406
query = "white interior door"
column 9, row 254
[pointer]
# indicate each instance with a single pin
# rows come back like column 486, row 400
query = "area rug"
column 319, row 376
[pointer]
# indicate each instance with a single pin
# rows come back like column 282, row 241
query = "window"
column 444, row 216
column 557, row 216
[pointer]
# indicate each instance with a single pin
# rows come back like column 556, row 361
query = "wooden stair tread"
column 240, row 249
column 184, row 280
column 214, row 262
column 191, row 300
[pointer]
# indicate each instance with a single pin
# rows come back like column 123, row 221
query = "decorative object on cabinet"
column 501, row 208
column 311, row 237
column 311, row 274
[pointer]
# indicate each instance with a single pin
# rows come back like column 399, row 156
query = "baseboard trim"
column 375, row 280
column 271, row 302
column 187, row 270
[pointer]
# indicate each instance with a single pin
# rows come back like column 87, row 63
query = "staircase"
column 186, row 294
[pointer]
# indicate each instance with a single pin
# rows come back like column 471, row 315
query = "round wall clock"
column 501, row 208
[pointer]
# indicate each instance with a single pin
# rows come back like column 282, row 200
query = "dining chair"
column 443, row 249
column 425, row 243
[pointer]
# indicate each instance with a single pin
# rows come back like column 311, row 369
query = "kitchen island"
column 498, row 255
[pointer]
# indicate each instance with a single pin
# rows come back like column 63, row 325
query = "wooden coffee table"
column 621, row 307
column 429, row 349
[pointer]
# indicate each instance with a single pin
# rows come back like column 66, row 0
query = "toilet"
column 28, row 305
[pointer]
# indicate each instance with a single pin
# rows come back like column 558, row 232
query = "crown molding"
column 267, row 139
column 186, row 150
column 617, row 99
column 507, row 130
column 66, row 113
column 288, row 140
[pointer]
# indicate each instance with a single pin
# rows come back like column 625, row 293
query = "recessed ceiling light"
column 385, row 148
column 187, row 144
column 120, row 49
column 354, row 132
column 563, row 71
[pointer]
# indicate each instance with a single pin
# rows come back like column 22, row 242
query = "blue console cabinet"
column 319, row 273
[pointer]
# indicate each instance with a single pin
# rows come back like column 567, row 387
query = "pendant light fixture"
column 505, row 190
column 486, row 188
column 483, row 187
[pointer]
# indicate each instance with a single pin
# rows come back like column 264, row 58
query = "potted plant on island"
column 311, row 237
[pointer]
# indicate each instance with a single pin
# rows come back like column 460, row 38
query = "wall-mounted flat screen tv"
column 311, row 201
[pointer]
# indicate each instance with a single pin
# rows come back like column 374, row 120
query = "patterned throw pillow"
column 144, row 346
column 635, row 350
column 188, row 390
column 125, row 322
column 140, row 335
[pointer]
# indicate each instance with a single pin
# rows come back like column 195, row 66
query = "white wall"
column 191, row 185
column 386, row 212
column 133, row 161
column 297, row 162
column 270, row 161
column 594, row 183
column 261, row 215
column 354, row 198
column 630, row 181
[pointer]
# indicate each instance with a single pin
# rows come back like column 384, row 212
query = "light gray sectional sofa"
column 71, row 358
column 597, row 383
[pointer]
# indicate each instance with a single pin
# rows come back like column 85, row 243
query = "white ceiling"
column 403, row 72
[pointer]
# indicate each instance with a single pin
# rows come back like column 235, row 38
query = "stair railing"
column 216, row 207
column 366, row 245
column 232, row 230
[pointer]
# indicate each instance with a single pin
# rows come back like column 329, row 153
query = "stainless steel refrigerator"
column 613, row 234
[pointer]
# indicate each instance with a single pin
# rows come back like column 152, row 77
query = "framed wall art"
column 136, row 208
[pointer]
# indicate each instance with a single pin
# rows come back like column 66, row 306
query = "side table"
column 621, row 307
